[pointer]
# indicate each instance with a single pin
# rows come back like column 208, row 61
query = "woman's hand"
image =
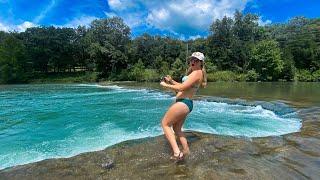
column 162, row 83
column 168, row 78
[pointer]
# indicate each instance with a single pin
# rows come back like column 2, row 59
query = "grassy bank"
column 78, row 77
column 152, row 75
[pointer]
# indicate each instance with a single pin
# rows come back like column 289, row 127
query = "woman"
column 177, row 113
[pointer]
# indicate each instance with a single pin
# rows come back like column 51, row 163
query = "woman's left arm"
column 193, row 78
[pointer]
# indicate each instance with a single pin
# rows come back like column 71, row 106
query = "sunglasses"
column 194, row 60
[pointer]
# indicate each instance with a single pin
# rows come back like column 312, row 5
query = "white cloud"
column 132, row 21
column 262, row 22
column 20, row 27
column 195, row 37
column 157, row 17
column 4, row 27
column 120, row 5
column 132, row 12
column 83, row 21
column 115, row 4
column 110, row 14
column 189, row 17
column 24, row 26
column 192, row 14
column 44, row 12
column 80, row 21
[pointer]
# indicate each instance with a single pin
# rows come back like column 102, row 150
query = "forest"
column 237, row 49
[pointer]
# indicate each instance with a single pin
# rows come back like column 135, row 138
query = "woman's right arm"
column 192, row 79
column 170, row 80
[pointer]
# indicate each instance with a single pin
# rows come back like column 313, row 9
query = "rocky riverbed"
column 292, row 156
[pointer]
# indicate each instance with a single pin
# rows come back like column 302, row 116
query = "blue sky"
column 183, row 19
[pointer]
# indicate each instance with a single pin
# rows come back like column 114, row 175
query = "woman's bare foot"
column 177, row 157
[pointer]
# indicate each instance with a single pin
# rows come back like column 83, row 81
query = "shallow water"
column 48, row 121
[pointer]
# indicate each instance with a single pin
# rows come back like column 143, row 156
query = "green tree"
column 108, row 44
column 245, row 32
column 138, row 70
column 164, row 69
column 81, row 47
column 220, row 41
column 12, row 60
column 210, row 67
column 289, row 70
column 230, row 41
column 266, row 60
column 301, row 37
column 178, row 69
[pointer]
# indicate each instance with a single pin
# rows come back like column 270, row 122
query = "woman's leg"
column 177, row 112
column 177, row 127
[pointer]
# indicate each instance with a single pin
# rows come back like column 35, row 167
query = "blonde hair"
column 204, row 76
column 204, row 73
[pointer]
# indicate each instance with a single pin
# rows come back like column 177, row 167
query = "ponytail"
column 204, row 77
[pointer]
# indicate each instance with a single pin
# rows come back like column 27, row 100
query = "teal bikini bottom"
column 187, row 102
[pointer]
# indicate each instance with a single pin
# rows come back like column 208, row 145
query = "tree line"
column 236, row 49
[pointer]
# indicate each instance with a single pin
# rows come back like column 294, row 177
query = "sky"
column 184, row 19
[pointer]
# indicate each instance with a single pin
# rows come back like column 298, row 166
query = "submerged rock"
column 292, row 156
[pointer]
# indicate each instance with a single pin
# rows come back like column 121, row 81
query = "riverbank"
column 291, row 156
column 150, row 75
column 79, row 77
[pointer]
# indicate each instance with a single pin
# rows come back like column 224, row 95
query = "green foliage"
column 124, row 75
column 252, row 76
column 67, row 77
column 301, row 37
column 151, row 75
column 307, row 76
column 222, row 76
column 137, row 71
column 220, row 43
column 157, row 62
column 241, row 77
column 12, row 60
column 210, row 67
column 266, row 60
column 316, row 75
column 304, row 75
column 108, row 38
column 231, row 40
column 164, row 69
column 288, row 72
column 237, row 49
column 199, row 44
column 232, row 76
column 178, row 69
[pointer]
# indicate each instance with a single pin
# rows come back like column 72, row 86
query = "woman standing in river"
column 177, row 113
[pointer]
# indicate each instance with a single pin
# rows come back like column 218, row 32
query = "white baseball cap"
column 198, row 55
